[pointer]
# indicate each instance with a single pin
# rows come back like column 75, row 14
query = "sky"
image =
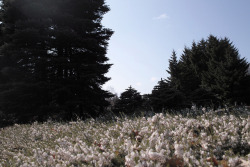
column 147, row 31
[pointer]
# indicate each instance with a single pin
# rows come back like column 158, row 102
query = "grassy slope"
column 161, row 140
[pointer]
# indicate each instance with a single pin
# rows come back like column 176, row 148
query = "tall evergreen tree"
column 166, row 97
column 211, row 71
column 174, row 71
column 198, row 57
column 226, row 70
column 53, row 55
column 243, row 93
column 130, row 101
column 189, row 81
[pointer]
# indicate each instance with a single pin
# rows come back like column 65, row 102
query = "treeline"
column 209, row 73
column 53, row 64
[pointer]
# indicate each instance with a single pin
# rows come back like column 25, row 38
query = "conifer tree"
column 198, row 57
column 130, row 101
column 211, row 71
column 226, row 70
column 53, row 55
column 189, row 81
column 173, row 71
column 166, row 97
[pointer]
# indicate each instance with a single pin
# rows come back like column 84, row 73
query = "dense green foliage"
column 129, row 101
column 166, row 96
column 53, row 64
column 211, row 72
column 53, row 58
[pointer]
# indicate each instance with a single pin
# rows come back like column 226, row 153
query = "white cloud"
column 162, row 16
column 153, row 79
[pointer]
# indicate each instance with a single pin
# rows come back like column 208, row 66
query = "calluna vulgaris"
column 208, row 139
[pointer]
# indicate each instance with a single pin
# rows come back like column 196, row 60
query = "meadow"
column 197, row 138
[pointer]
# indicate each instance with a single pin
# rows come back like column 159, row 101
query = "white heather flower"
column 45, row 154
column 112, row 155
column 140, row 165
column 133, row 155
column 178, row 150
column 203, row 135
column 154, row 119
column 233, row 161
column 143, row 155
column 25, row 165
column 129, row 161
column 58, row 165
column 50, row 160
column 163, row 152
column 85, row 150
column 158, row 148
column 143, row 131
column 161, row 116
column 204, row 145
column 189, row 122
column 76, row 148
column 156, row 157
column 80, row 157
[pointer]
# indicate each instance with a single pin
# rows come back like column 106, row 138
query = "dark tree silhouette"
column 130, row 101
column 166, row 97
column 226, row 70
column 211, row 72
column 53, row 58
column 174, row 71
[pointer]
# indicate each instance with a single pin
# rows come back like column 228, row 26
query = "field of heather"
column 207, row 139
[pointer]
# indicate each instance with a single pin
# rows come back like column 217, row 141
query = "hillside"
column 206, row 139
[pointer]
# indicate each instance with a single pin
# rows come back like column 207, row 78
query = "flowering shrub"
column 207, row 139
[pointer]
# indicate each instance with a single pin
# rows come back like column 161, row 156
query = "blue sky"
column 147, row 31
